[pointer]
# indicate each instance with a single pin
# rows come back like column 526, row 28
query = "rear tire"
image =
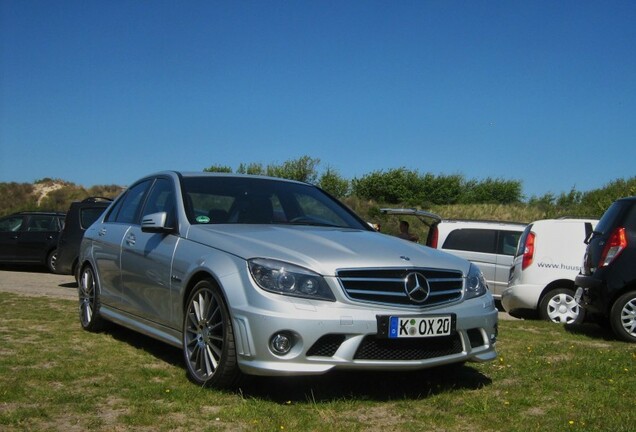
column 559, row 306
column 623, row 317
column 51, row 260
column 89, row 305
column 208, row 339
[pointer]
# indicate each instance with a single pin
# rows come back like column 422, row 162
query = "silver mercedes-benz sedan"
column 264, row 276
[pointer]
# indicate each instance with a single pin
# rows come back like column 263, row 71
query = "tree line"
column 406, row 187
column 390, row 187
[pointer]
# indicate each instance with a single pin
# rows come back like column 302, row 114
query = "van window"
column 473, row 240
column 507, row 242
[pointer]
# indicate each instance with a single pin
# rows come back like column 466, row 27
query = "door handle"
column 131, row 240
column 102, row 232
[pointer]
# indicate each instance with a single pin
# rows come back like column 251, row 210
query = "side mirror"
column 156, row 223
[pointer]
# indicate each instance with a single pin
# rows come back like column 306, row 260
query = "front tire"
column 559, row 306
column 623, row 317
column 89, row 305
column 208, row 339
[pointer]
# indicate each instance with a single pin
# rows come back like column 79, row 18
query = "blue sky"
column 104, row 92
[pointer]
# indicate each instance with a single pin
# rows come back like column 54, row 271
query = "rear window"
column 609, row 218
column 630, row 218
column 90, row 215
column 473, row 240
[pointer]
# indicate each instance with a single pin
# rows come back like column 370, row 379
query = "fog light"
column 281, row 343
column 493, row 336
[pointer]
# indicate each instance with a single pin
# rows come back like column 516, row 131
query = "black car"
column 30, row 238
column 608, row 279
column 79, row 217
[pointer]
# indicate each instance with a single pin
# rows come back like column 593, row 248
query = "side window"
column 128, row 207
column 161, row 199
column 11, row 224
column 507, row 242
column 317, row 211
column 41, row 223
column 473, row 240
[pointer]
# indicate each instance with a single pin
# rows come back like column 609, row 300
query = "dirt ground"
column 37, row 282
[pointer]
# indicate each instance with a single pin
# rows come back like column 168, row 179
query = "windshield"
column 246, row 200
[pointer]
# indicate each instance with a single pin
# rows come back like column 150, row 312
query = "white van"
column 548, row 258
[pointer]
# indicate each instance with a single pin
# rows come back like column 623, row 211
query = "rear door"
column 9, row 233
column 108, row 237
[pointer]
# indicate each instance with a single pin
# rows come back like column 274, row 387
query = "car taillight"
column 528, row 251
column 433, row 237
column 614, row 246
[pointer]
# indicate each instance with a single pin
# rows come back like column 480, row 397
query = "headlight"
column 288, row 279
column 475, row 283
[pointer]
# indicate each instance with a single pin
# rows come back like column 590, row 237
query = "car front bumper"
column 327, row 336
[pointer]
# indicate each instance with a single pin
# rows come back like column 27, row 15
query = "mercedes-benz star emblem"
column 416, row 287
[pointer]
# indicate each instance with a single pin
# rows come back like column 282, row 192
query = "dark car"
column 80, row 216
column 607, row 283
column 30, row 238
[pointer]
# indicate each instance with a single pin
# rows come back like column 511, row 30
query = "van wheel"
column 623, row 317
column 559, row 306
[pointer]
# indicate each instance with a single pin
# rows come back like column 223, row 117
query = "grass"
column 54, row 376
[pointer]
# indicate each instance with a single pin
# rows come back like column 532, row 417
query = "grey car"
column 263, row 276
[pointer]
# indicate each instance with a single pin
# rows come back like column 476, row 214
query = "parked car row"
column 567, row 270
column 50, row 239
column 529, row 268
column 256, row 275
column 30, row 238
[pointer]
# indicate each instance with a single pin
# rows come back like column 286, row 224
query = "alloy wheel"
column 87, row 292
column 204, row 334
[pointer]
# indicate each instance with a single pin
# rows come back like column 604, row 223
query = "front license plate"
column 420, row 327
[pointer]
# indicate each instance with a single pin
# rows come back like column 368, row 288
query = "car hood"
column 322, row 249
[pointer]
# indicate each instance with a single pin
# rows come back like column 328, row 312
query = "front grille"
column 387, row 286
column 374, row 348
column 326, row 346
